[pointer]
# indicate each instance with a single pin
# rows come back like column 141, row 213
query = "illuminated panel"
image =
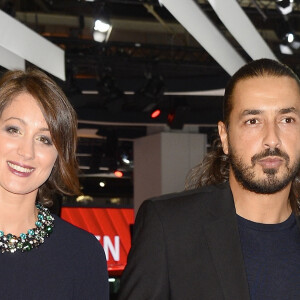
column 111, row 228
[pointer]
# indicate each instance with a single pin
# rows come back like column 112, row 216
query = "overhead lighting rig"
column 102, row 26
column 285, row 6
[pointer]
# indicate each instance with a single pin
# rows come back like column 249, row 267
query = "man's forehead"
column 265, row 93
column 284, row 80
column 267, row 86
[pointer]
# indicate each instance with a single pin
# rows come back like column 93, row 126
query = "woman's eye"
column 12, row 130
column 45, row 140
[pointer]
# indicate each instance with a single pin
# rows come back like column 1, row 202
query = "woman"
column 42, row 256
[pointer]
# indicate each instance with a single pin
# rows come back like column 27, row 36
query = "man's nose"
column 272, row 136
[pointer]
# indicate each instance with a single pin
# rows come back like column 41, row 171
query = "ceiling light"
column 101, row 26
column 285, row 6
column 84, row 198
column 155, row 113
column 102, row 29
column 295, row 44
column 102, row 184
column 177, row 117
column 118, row 173
column 290, row 37
column 284, row 49
column 150, row 94
column 125, row 159
column 99, row 37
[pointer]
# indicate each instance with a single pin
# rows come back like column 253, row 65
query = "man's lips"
column 270, row 162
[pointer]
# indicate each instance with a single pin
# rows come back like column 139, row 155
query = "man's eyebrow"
column 289, row 110
column 251, row 112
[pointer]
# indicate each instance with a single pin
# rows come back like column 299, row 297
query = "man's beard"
column 245, row 175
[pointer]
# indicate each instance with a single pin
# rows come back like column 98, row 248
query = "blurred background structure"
column 139, row 67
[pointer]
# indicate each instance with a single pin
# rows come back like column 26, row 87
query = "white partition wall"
column 162, row 161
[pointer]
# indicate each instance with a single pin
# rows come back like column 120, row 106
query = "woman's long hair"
column 61, row 119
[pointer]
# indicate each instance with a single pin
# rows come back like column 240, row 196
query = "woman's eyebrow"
column 23, row 122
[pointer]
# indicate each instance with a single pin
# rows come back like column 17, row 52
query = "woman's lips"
column 20, row 170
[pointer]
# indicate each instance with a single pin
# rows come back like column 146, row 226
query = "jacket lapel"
column 224, row 243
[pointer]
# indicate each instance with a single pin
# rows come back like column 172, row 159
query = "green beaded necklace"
column 33, row 238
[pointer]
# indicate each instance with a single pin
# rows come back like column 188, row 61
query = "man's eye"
column 252, row 121
column 288, row 120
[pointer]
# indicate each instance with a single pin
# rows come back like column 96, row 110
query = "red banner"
column 111, row 226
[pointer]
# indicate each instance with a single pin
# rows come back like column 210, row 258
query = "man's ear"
column 223, row 136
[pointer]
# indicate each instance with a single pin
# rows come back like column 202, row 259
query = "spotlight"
column 155, row 113
column 101, row 26
column 125, row 159
column 290, row 37
column 285, row 6
column 102, row 184
column 289, row 40
column 177, row 117
column 102, row 29
column 150, row 94
column 118, row 173
column 285, row 49
column 84, row 198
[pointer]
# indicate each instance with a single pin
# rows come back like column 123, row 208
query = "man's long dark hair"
column 214, row 168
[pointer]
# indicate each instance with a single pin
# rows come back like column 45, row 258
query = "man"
column 237, row 237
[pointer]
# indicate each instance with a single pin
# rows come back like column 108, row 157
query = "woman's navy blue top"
column 70, row 264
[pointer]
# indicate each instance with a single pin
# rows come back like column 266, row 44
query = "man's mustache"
column 270, row 152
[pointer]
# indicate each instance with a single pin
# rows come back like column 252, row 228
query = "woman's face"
column 27, row 154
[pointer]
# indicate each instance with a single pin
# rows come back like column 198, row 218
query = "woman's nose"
column 26, row 148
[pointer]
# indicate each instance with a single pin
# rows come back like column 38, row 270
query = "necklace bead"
column 34, row 237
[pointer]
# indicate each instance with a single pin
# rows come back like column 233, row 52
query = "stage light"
column 285, row 6
column 285, row 49
column 125, row 159
column 177, row 117
column 102, row 184
column 118, row 173
column 150, row 94
column 99, row 36
column 102, row 29
column 155, row 113
column 101, row 26
column 84, row 198
column 290, row 37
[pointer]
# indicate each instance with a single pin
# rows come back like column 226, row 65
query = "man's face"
column 263, row 138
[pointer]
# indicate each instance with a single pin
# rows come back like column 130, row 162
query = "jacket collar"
column 224, row 243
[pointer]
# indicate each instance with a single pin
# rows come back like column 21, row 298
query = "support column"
column 162, row 161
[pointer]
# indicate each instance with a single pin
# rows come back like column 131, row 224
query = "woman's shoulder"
column 69, row 234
